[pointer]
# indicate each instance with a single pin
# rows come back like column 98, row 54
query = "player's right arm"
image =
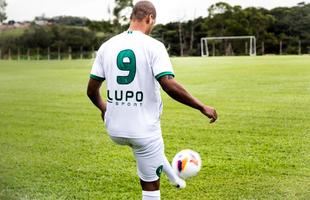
column 97, row 76
column 179, row 93
column 93, row 92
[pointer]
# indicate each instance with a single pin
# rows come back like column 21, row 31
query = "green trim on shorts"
column 158, row 76
column 96, row 77
column 159, row 170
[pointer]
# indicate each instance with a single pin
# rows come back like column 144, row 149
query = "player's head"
column 144, row 12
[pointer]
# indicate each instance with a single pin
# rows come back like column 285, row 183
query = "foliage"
column 100, row 26
column 287, row 24
column 3, row 4
column 63, row 20
column 69, row 20
column 53, row 36
column 120, row 6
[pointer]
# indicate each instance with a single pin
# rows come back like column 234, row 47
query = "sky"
column 168, row 10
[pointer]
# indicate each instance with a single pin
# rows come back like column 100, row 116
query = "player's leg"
column 149, row 165
column 150, row 186
column 150, row 190
column 120, row 140
column 172, row 176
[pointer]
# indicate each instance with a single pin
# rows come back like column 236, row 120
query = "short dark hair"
column 143, row 9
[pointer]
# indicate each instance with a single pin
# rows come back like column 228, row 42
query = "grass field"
column 54, row 146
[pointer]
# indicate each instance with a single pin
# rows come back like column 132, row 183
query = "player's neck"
column 138, row 26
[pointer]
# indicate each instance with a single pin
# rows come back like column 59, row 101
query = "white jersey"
column 130, row 63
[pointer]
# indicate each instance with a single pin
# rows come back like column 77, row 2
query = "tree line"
column 288, row 28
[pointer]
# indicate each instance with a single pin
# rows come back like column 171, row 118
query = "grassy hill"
column 12, row 32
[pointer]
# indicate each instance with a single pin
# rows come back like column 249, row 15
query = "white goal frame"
column 205, row 49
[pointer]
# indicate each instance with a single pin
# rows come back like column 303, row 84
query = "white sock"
column 172, row 176
column 168, row 170
column 151, row 195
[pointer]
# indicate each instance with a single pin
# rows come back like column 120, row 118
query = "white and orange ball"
column 186, row 163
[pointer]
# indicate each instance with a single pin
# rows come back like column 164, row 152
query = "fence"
column 283, row 47
column 46, row 54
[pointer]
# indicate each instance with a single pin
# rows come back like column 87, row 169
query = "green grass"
column 12, row 33
column 54, row 146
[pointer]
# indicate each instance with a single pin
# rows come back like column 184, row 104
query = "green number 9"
column 126, row 61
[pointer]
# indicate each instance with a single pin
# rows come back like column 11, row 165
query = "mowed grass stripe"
column 54, row 146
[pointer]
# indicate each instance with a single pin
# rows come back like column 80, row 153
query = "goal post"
column 249, row 49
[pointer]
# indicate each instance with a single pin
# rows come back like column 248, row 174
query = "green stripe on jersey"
column 158, row 76
column 96, row 77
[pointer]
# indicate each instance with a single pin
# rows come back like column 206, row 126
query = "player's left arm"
column 93, row 92
column 163, row 71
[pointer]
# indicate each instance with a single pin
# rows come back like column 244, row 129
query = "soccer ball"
column 186, row 163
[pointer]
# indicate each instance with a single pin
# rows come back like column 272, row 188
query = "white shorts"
column 149, row 154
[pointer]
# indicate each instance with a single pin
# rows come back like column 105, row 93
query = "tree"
column 100, row 26
column 3, row 4
column 121, row 5
column 219, row 8
column 37, row 36
column 225, row 20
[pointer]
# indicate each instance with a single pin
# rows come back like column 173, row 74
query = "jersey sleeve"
column 97, row 71
column 161, row 62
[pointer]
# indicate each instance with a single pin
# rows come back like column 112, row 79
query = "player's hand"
column 210, row 113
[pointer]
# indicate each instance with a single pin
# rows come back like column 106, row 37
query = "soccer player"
column 134, row 66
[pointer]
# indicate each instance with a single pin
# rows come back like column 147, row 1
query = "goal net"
column 228, row 46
